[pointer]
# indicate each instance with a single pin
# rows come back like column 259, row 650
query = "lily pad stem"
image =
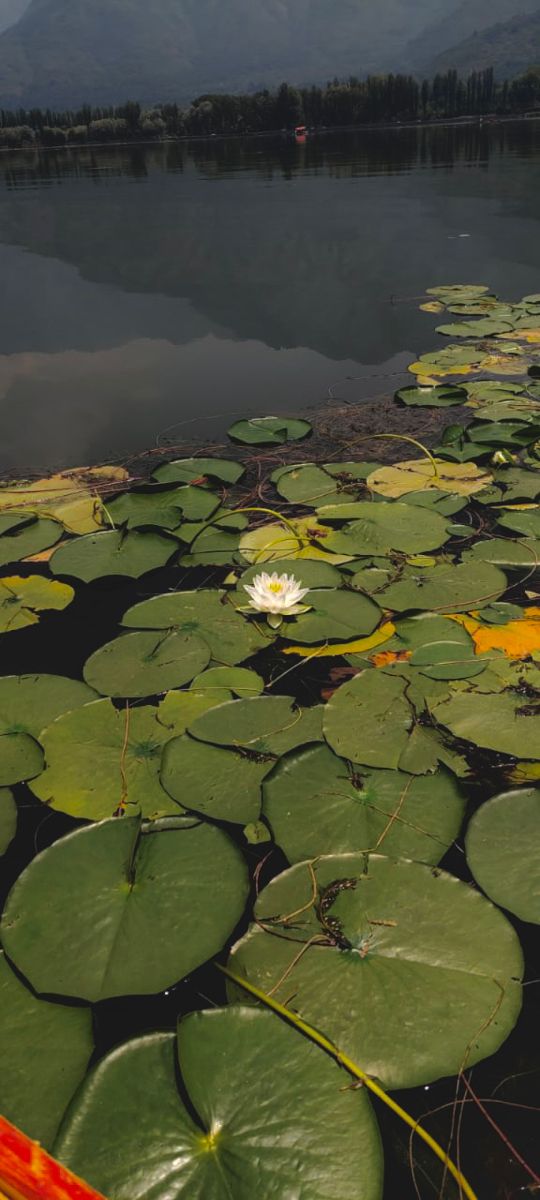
column 345, row 1061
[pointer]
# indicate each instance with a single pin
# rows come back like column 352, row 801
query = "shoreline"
column 480, row 120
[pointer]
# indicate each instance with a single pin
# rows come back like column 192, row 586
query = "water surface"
column 149, row 292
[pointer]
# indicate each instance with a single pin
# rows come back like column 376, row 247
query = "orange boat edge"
column 27, row 1172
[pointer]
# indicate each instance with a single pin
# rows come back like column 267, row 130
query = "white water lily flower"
column 278, row 595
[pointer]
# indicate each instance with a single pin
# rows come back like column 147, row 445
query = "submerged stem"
column 354, row 1069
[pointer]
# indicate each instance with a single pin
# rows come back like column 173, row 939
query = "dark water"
column 145, row 288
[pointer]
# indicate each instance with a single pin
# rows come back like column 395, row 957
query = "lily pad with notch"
column 370, row 969
column 120, row 908
column 146, row 664
column 114, row 552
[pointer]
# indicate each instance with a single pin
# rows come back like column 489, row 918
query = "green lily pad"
column 101, row 760
column 130, row 1132
column 432, row 396
column 311, row 573
column 503, row 552
column 335, row 615
column 445, row 503
column 382, row 527
column 27, row 704
column 20, row 757
column 120, row 908
column 258, row 431
column 452, row 292
column 22, row 599
column 406, row 1003
column 445, row 588
column 222, row 784
column 8, row 819
column 206, row 614
column 146, row 664
column 315, row 804
column 223, row 682
column 368, row 719
column 179, row 708
column 527, row 523
column 214, row 546
column 190, row 470
column 508, row 722
column 350, row 471
column 115, row 552
column 308, row 484
column 447, row 660
column 44, row 1049
column 29, row 537
column 251, row 724
column 477, row 329
column 166, row 509
column 502, row 851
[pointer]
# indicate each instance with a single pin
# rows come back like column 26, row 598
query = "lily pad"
column 179, row 708
column 407, row 1003
column 526, row 523
column 222, row 681
column 258, row 431
column 207, row 614
column 305, row 538
column 251, row 724
column 8, row 818
column 146, row 664
column 445, row 588
column 432, row 396
column 195, row 470
column 27, row 704
column 379, row 528
column 22, row 599
column 222, row 784
column 71, row 497
column 28, row 538
column 335, row 615
column 508, row 722
column 308, row 484
column 214, row 546
column 102, row 761
column 477, row 329
column 44, row 1049
column 315, row 804
column 131, row 1132
column 166, row 509
column 502, row 851
column 368, row 719
column 418, row 473
column 120, row 908
column 112, row 553
column 503, row 552
column 447, row 660
column 311, row 573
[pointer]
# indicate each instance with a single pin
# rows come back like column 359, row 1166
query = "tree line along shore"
column 380, row 99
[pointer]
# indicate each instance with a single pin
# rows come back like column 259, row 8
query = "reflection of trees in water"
column 338, row 155
column 312, row 265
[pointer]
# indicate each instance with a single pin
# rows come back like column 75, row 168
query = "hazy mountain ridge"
column 63, row 52
column 510, row 47
column 451, row 29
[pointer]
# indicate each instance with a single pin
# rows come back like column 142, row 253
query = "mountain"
column 510, row 47
column 10, row 11
column 64, row 52
column 468, row 18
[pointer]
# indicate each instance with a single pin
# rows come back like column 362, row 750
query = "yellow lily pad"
column 22, row 599
column 72, row 497
column 417, row 474
column 381, row 635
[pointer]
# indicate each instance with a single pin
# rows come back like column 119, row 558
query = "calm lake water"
column 151, row 292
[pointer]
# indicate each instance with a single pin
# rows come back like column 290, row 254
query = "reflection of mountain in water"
column 290, row 246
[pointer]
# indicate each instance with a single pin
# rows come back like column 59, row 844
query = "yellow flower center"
column 275, row 587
